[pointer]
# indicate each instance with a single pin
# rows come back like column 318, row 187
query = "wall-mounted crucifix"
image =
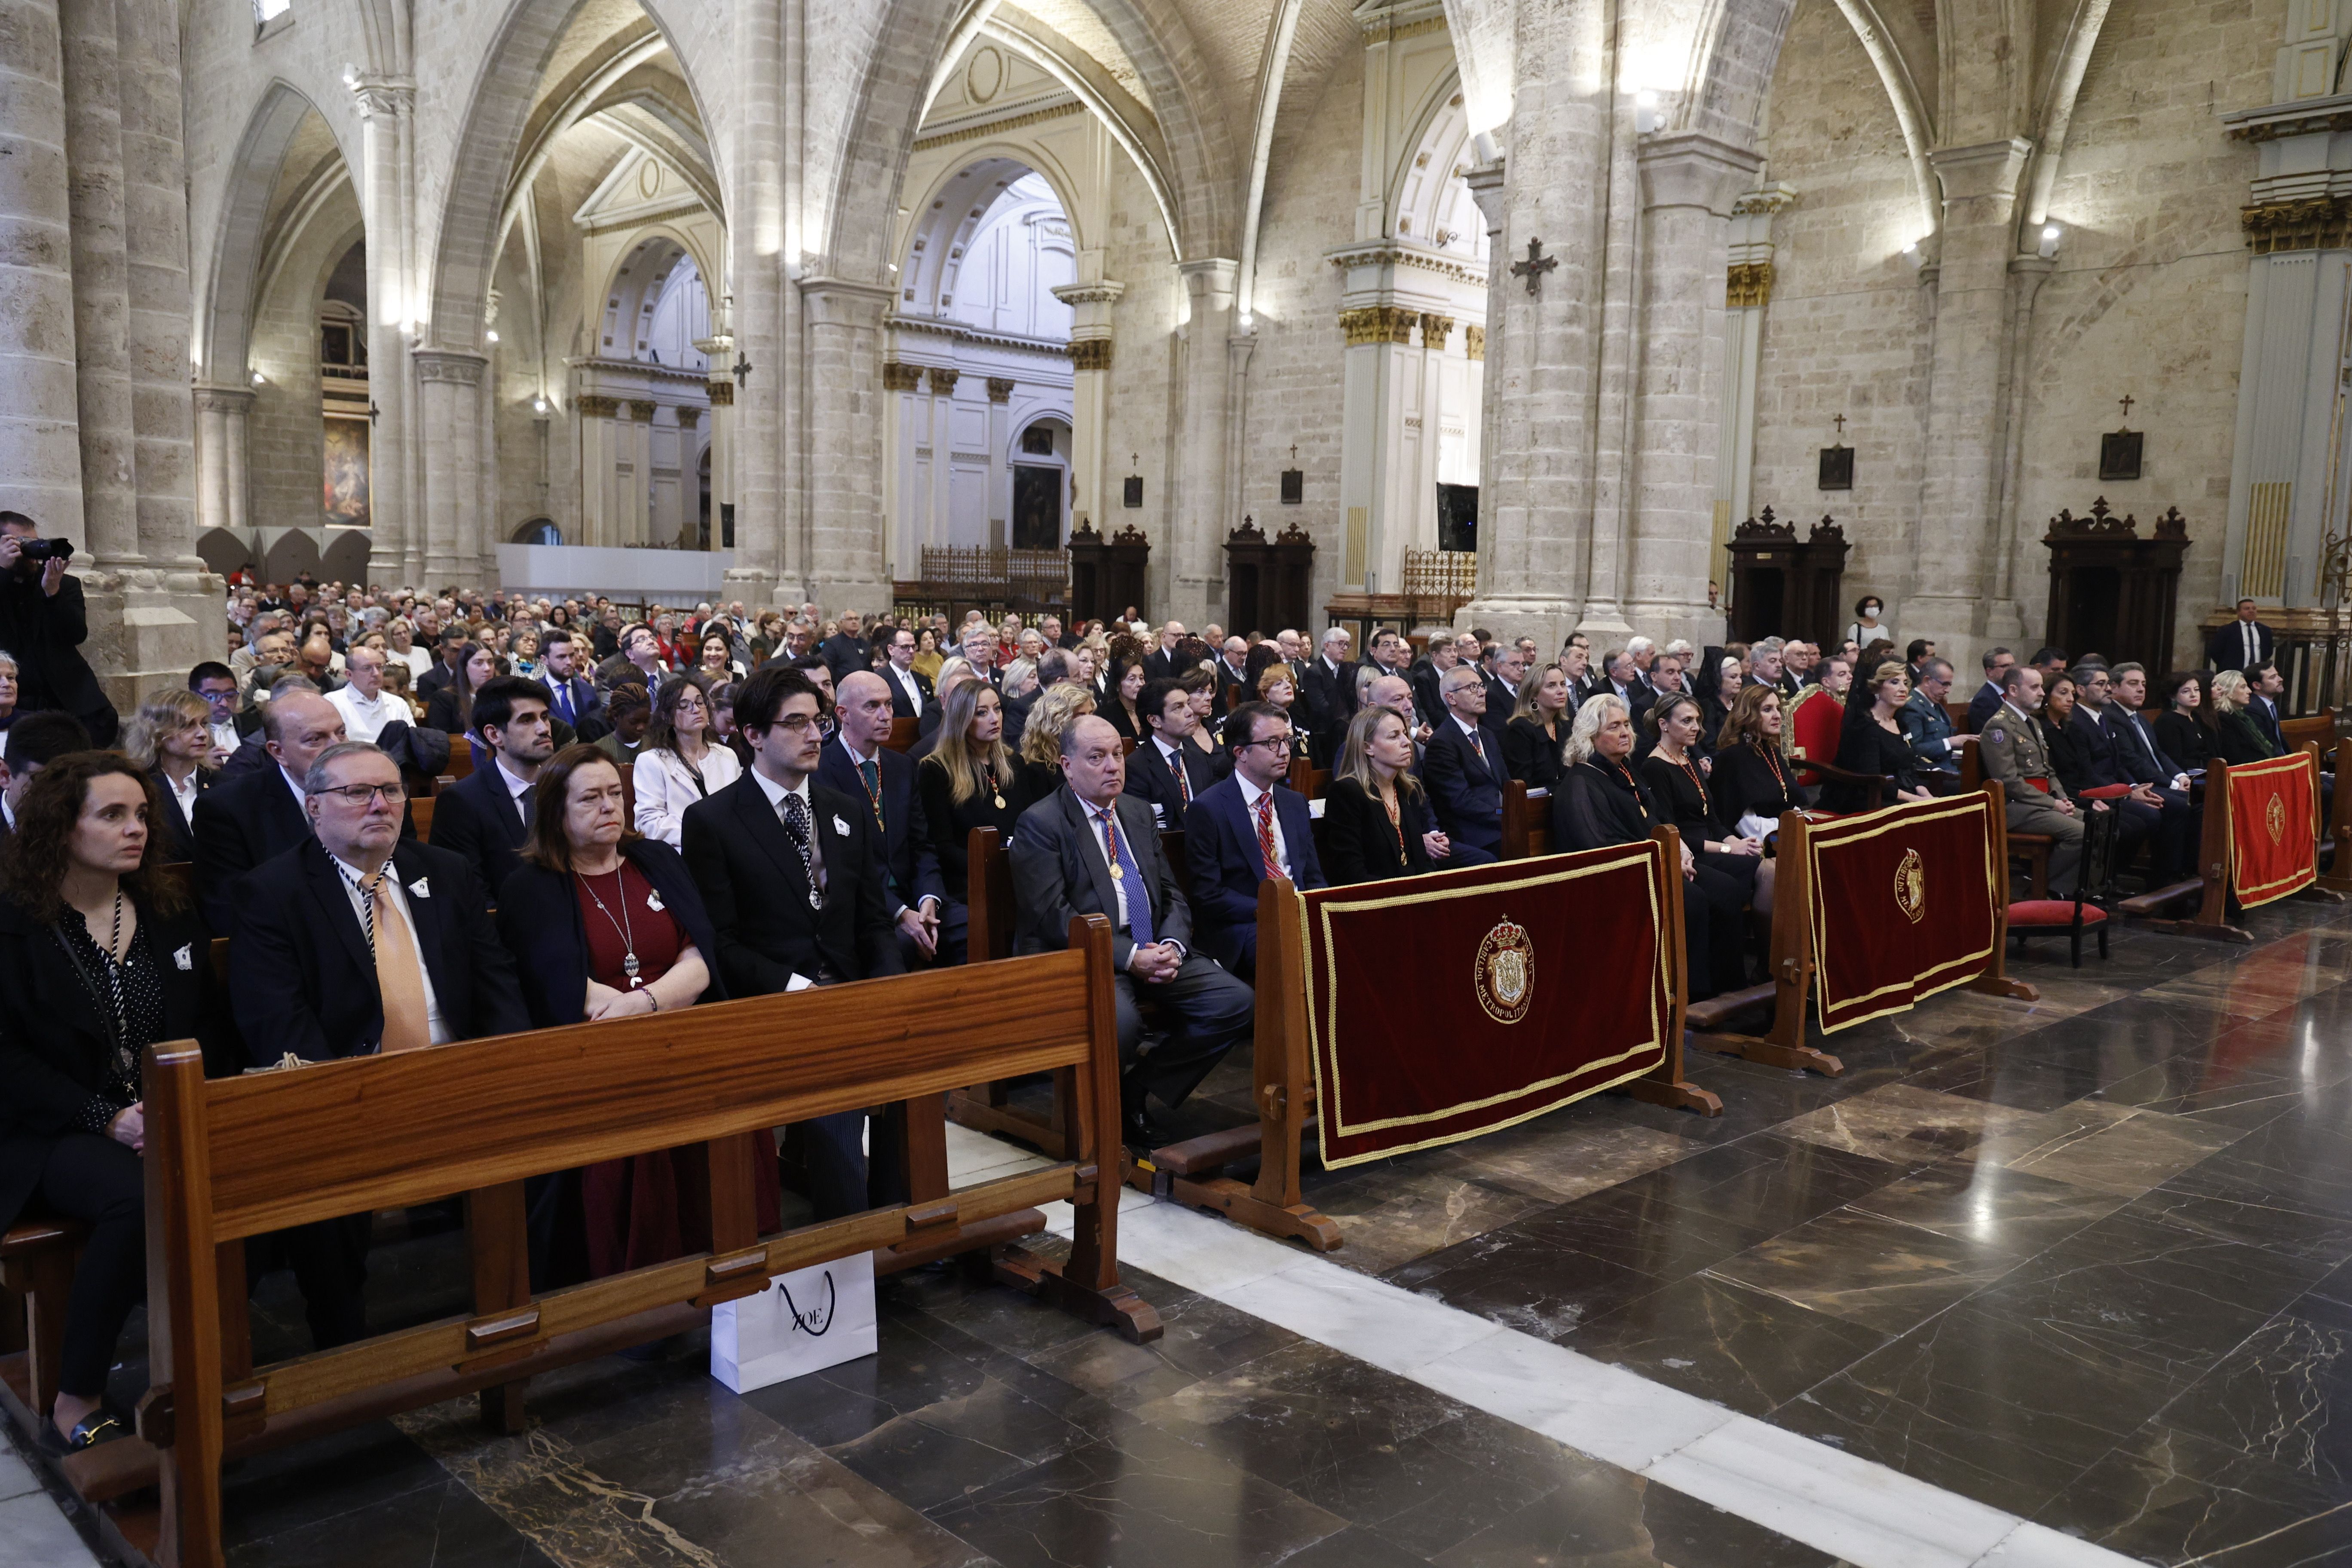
column 1840, row 423
column 743, row 371
column 2122, row 452
column 1534, row 267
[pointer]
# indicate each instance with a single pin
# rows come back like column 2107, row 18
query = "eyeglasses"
column 1282, row 740
column 795, row 722
column 361, row 795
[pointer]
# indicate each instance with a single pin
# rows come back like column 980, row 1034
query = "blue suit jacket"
column 1467, row 793
column 910, row 867
column 1221, row 856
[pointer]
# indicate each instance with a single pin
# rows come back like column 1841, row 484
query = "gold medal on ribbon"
column 1000, row 802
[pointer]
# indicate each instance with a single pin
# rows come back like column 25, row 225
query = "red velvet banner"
column 2273, row 827
column 1903, row 905
column 1440, row 1007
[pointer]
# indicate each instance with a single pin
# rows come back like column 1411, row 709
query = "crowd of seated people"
column 678, row 807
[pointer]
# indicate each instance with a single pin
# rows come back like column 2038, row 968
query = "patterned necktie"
column 1269, row 862
column 1477, row 745
column 1139, row 897
column 796, row 826
column 870, row 771
column 399, row 981
column 1184, row 777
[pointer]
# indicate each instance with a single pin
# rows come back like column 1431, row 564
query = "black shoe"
column 1139, row 1131
column 101, row 1426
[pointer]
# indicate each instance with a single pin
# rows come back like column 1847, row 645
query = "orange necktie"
column 399, row 979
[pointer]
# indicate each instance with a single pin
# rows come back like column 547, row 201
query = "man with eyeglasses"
column 791, row 872
column 1245, row 827
column 355, row 943
column 255, row 816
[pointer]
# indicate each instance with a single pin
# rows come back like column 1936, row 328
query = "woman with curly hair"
column 102, row 955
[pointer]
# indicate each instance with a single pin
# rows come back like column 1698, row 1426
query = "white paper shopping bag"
column 802, row 1322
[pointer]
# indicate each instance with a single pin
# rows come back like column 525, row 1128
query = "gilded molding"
column 1378, row 324
column 688, row 419
column 1000, row 388
column 1747, row 285
column 596, row 406
column 943, row 381
column 898, row 377
column 1474, row 343
column 723, row 393
column 643, row 412
column 1090, row 353
column 2315, row 223
column 1389, row 253
column 1435, row 330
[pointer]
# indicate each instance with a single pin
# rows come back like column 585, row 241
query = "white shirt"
column 1470, row 732
column 364, row 719
column 301, row 795
column 185, row 794
column 516, row 788
column 418, row 658
column 775, row 793
column 1250, row 793
column 354, row 879
column 905, row 679
column 2251, row 641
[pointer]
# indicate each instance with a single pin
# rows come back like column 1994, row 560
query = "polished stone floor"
column 2084, row 1261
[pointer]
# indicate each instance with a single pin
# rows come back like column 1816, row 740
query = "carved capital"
column 1474, row 341
column 381, row 96
column 596, row 406
column 2315, row 223
column 1435, row 330
column 438, row 364
column 943, row 382
column 1377, row 324
column 1090, row 353
column 688, row 418
column 1000, row 388
column 643, row 412
column 1748, row 284
column 723, row 393
column 223, row 399
column 898, row 377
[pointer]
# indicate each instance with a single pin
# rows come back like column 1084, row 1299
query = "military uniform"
column 1928, row 729
column 2010, row 749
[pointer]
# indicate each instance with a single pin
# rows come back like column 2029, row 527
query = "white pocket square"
column 422, row 887
column 841, row 827
column 184, row 959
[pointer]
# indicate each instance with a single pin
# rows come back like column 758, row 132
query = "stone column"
column 1952, row 569
column 1203, row 480
column 843, row 325
column 690, row 483
column 1689, row 182
column 155, row 249
column 42, row 475
column 221, row 414
column 722, row 459
column 110, row 485
column 396, row 549
column 451, row 504
column 1000, row 466
column 597, row 455
column 1369, row 422
column 638, row 512
column 1090, row 356
column 939, row 434
column 1417, row 505
column 905, row 421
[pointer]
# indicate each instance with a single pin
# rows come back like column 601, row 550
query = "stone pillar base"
column 754, row 586
column 148, row 627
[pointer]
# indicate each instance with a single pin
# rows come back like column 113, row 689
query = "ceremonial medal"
column 1000, row 802
column 1117, row 872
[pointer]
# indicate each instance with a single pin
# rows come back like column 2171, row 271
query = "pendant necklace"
column 623, row 927
column 994, row 788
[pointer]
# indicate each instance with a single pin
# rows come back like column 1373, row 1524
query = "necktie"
column 2247, row 631
column 1269, row 862
column 1183, row 778
column 1139, row 897
column 563, row 696
column 870, row 769
column 528, row 800
column 399, row 981
column 796, row 826
column 1477, row 745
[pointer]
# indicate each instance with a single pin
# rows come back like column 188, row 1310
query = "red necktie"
column 1272, row 862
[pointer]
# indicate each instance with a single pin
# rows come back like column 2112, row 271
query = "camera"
column 47, row 550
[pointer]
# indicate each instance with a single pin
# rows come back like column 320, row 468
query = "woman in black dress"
column 102, row 955
column 1375, row 820
column 1751, row 784
column 1871, row 740
column 968, row 780
column 1602, row 801
column 1531, row 740
column 2237, row 738
column 2059, row 737
column 1124, row 710
column 2185, row 728
column 1717, row 700
column 1677, row 781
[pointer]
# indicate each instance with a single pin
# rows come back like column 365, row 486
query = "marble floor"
column 2055, row 1283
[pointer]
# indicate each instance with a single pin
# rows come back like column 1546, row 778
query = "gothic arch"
column 242, row 249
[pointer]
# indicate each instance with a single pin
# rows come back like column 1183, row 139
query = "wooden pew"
column 991, row 916
column 235, row 1159
column 2314, row 730
column 461, row 757
column 420, row 812
column 904, row 734
column 1308, row 780
column 37, row 1257
column 1526, row 821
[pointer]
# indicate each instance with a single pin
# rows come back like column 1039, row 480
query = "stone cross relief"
column 1534, row 267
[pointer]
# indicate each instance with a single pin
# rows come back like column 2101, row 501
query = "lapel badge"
column 185, row 960
column 841, row 827
column 653, row 901
column 421, row 888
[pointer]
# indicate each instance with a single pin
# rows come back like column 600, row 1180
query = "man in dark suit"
column 1168, row 771
column 1997, row 664
column 1429, row 670
column 1330, row 696
column 356, row 943
column 845, row 651
column 2269, row 696
column 1164, row 662
column 910, row 688
column 1231, row 672
column 1091, row 849
column 44, row 622
column 979, row 648
column 445, row 666
column 572, row 697
column 856, row 763
column 487, row 818
column 32, row 744
column 1244, row 828
column 2139, row 813
column 262, row 813
column 2245, row 644
column 2141, row 761
column 1499, row 674
column 1463, row 771
column 791, row 878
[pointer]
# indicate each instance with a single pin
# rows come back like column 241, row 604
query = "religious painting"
column 1131, row 491
column 346, row 488
column 1837, row 468
column 1294, row 487
column 2119, row 453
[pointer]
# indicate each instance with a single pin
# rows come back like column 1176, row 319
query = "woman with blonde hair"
column 1276, row 685
column 2236, row 735
column 970, row 781
column 1057, row 708
column 1532, row 738
column 169, row 738
column 1375, row 821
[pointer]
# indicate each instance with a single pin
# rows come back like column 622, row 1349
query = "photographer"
column 42, row 623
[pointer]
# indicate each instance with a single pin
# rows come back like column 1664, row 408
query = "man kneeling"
column 1091, row 850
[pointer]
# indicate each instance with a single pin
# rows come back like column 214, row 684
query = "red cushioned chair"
column 2071, row 918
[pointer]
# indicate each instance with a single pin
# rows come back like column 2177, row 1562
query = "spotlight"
column 539, row 406
column 259, row 379
column 2050, row 233
column 492, row 334
column 1645, row 111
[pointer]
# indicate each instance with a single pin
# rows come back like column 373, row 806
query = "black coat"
column 1598, row 805
column 1865, row 748
column 1529, row 755
column 2227, row 647
column 1151, row 781
column 2184, row 740
column 441, row 711
column 908, row 863
column 541, row 922
column 179, row 832
column 1744, row 783
column 951, row 822
column 1329, row 701
column 241, row 823
column 45, row 631
column 1358, row 846
column 845, row 654
column 1465, row 792
column 481, row 824
column 303, row 979
column 756, row 890
column 900, row 707
column 56, row 1050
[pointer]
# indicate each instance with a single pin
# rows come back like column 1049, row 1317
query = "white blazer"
column 665, row 789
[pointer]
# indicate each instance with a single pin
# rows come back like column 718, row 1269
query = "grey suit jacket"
column 1059, row 872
